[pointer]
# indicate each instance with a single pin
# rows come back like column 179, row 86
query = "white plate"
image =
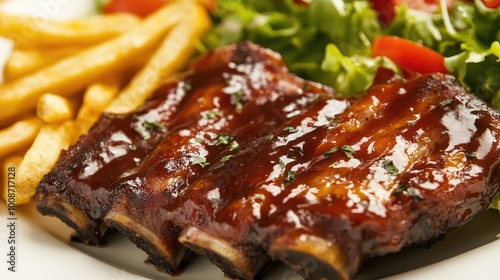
column 44, row 251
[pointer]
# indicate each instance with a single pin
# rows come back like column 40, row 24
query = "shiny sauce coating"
column 238, row 104
column 402, row 165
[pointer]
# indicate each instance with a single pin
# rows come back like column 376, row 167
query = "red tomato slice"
column 144, row 8
column 492, row 4
column 409, row 55
column 141, row 8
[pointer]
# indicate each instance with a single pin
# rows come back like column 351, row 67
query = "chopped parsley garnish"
column 364, row 203
column 144, row 134
column 290, row 176
column 210, row 115
column 270, row 137
column 290, row 129
column 412, row 123
column 201, row 161
column 258, row 196
column 411, row 191
column 348, row 151
column 123, row 183
column 446, row 102
column 188, row 86
column 223, row 139
column 333, row 165
column 313, row 99
column 132, row 147
column 334, row 123
column 282, row 164
column 237, row 100
column 199, row 140
column 149, row 126
column 306, row 87
column 389, row 167
column 234, row 145
column 471, row 155
column 226, row 158
column 329, row 153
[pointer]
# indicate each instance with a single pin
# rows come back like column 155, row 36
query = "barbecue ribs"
column 243, row 162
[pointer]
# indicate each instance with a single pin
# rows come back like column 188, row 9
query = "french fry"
column 54, row 108
column 23, row 62
column 7, row 165
column 68, row 75
column 33, row 32
column 97, row 96
column 172, row 55
column 41, row 157
column 18, row 136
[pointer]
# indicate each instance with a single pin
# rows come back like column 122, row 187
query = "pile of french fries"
column 63, row 75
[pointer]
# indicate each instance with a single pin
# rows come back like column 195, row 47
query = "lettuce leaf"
column 467, row 35
column 316, row 42
column 329, row 41
column 351, row 73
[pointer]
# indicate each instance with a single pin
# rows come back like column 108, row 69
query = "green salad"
column 331, row 41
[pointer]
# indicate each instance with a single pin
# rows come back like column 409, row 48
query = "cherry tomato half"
column 409, row 55
column 145, row 7
column 492, row 4
column 140, row 8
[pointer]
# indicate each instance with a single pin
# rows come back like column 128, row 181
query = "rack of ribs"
column 235, row 95
column 79, row 188
column 248, row 98
column 403, row 165
column 247, row 163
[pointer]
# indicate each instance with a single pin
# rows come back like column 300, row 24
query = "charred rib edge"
column 312, row 257
column 160, row 255
column 232, row 261
column 74, row 218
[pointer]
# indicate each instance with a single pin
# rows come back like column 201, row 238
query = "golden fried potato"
column 23, row 62
column 97, row 96
column 31, row 32
column 68, row 75
column 53, row 108
column 173, row 54
column 9, row 169
column 41, row 157
column 19, row 136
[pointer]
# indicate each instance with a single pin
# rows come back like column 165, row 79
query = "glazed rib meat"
column 79, row 188
column 244, row 101
column 245, row 163
column 403, row 165
column 132, row 165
